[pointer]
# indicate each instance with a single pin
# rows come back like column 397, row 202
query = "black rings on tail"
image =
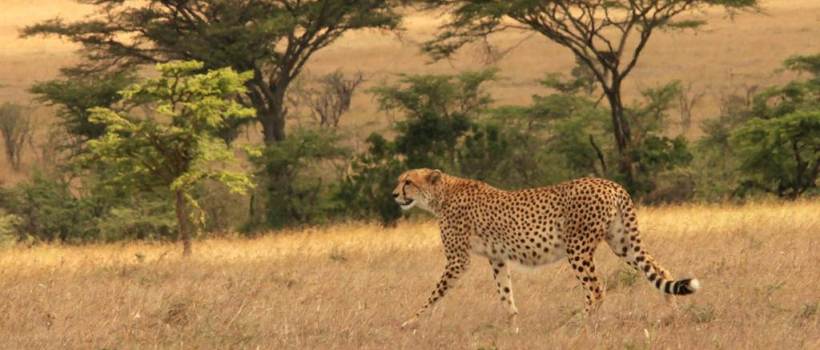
column 679, row 287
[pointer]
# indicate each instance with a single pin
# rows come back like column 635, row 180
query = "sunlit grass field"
column 351, row 285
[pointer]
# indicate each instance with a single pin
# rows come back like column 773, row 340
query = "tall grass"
column 350, row 286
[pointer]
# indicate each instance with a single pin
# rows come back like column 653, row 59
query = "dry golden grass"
column 350, row 286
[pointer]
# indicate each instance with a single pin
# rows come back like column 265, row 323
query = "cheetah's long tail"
column 637, row 257
column 656, row 275
column 678, row 287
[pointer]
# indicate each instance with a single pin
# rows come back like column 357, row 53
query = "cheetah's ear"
column 434, row 176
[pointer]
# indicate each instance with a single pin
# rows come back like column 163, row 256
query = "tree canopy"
column 272, row 39
column 779, row 145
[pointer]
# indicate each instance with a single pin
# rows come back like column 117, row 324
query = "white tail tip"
column 694, row 284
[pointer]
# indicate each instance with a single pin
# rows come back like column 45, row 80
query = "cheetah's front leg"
column 456, row 266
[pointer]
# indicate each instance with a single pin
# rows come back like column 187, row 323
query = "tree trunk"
column 269, row 102
column 273, row 124
column 620, row 127
column 276, row 114
column 182, row 224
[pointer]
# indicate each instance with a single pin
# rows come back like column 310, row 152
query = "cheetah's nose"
column 395, row 195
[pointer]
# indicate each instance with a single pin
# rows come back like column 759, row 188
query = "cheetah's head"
column 415, row 188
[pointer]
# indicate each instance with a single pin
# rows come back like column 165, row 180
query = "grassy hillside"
column 351, row 286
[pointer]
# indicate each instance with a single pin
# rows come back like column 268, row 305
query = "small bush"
column 293, row 178
column 143, row 219
column 8, row 228
column 49, row 211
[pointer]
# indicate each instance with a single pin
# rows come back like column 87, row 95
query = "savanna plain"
column 351, row 286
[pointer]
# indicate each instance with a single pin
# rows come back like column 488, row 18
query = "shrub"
column 365, row 192
column 291, row 177
column 8, row 228
column 49, row 211
column 146, row 217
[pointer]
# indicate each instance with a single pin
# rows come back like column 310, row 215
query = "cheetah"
column 531, row 227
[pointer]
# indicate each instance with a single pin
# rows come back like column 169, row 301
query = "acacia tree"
column 175, row 146
column 607, row 36
column 274, row 39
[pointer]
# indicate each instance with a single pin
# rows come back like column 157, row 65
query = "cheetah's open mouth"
column 406, row 204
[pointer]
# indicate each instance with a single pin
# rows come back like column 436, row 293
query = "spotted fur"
column 531, row 227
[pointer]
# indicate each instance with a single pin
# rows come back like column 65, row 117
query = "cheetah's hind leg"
column 503, row 282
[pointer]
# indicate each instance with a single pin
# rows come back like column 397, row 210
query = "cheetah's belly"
column 522, row 250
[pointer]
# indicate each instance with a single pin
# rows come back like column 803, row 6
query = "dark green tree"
column 606, row 36
column 75, row 95
column 272, row 39
column 296, row 173
column 778, row 147
column 437, row 110
column 364, row 191
column 654, row 152
column 48, row 211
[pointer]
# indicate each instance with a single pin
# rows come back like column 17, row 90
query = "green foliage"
column 177, row 147
column 8, row 224
column 364, row 193
column 443, row 95
column 77, row 94
column 291, row 171
column 649, row 116
column 145, row 216
column 780, row 155
column 652, row 152
column 223, row 210
column 806, row 64
column 49, row 211
column 764, row 142
column 778, row 147
column 438, row 113
column 581, row 81
column 551, row 140
column 717, row 177
column 438, row 110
